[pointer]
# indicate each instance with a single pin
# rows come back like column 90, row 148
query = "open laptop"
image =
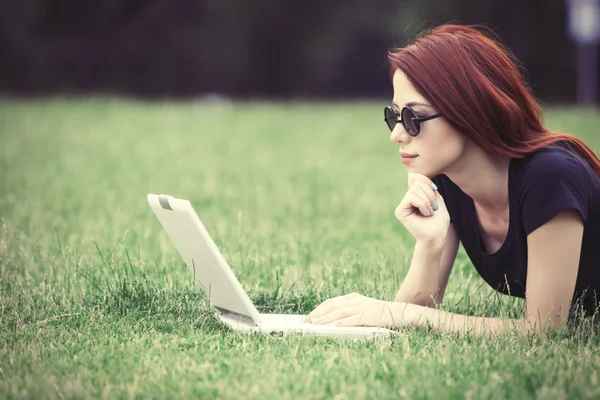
column 224, row 291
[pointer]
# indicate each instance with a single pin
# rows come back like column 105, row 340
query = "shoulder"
column 555, row 163
column 553, row 180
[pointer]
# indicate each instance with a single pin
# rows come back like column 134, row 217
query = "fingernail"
column 427, row 212
column 435, row 205
column 433, row 185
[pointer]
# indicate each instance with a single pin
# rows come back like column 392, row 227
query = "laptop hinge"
column 236, row 316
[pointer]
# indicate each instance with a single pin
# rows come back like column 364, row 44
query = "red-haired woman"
column 483, row 170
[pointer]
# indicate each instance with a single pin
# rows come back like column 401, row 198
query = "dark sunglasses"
column 408, row 118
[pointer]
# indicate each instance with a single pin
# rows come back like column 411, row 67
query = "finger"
column 353, row 320
column 429, row 188
column 337, row 298
column 327, row 307
column 427, row 191
column 407, row 207
column 334, row 315
column 418, row 192
column 416, row 177
column 330, row 304
column 423, row 181
column 419, row 200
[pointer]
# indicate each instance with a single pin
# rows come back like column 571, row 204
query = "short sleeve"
column 552, row 182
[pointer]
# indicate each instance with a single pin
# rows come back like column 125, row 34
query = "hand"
column 357, row 310
column 422, row 198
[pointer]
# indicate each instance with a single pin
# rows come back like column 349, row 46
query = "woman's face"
column 438, row 145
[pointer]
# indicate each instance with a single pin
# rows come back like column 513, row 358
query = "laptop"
column 225, row 293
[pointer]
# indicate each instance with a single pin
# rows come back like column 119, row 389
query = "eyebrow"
column 412, row 104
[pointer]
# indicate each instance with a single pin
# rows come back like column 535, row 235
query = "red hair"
column 475, row 82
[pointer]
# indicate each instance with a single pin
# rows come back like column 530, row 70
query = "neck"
column 483, row 177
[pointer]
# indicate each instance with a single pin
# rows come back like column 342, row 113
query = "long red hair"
column 476, row 83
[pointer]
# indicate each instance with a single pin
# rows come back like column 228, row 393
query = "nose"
column 399, row 135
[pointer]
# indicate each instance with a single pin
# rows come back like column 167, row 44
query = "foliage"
column 266, row 48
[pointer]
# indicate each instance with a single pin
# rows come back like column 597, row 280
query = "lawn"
column 300, row 197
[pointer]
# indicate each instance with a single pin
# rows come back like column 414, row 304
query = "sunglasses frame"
column 398, row 118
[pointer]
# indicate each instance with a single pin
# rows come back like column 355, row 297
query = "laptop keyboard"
column 284, row 318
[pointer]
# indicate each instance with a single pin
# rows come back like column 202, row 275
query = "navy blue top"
column 540, row 185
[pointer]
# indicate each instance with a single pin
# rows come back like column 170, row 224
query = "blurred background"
column 272, row 49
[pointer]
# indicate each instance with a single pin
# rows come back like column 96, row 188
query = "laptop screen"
column 202, row 257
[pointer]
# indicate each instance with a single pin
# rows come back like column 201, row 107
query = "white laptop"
column 226, row 295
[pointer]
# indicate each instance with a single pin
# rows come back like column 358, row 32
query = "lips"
column 407, row 155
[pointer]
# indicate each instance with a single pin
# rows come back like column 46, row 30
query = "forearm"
column 446, row 322
column 422, row 285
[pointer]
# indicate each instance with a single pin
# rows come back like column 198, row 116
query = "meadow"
column 95, row 301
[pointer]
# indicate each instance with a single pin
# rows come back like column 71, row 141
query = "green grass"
column 95, row 301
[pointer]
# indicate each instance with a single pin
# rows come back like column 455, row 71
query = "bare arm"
column 553, row 261
column 426, row 280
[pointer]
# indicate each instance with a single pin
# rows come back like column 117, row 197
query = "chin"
column 417, row 170
column 426, row 172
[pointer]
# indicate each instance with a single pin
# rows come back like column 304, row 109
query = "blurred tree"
column 260, row 48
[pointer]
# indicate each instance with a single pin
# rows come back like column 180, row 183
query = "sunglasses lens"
column 409, row 119
column 390, row 118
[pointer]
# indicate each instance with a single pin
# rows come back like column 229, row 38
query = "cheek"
column 441, row 148
column 446, row 138
column 447, row 147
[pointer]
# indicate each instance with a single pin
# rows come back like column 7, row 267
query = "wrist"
column 433, row 244
column 401, row 313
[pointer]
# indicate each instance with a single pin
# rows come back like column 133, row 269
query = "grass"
column 96, row 303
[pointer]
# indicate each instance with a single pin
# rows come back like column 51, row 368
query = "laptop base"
column 289, row 324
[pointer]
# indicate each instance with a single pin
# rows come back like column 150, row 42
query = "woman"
column 483, row 170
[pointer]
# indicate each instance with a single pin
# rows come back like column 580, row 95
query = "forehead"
column 404, row 91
